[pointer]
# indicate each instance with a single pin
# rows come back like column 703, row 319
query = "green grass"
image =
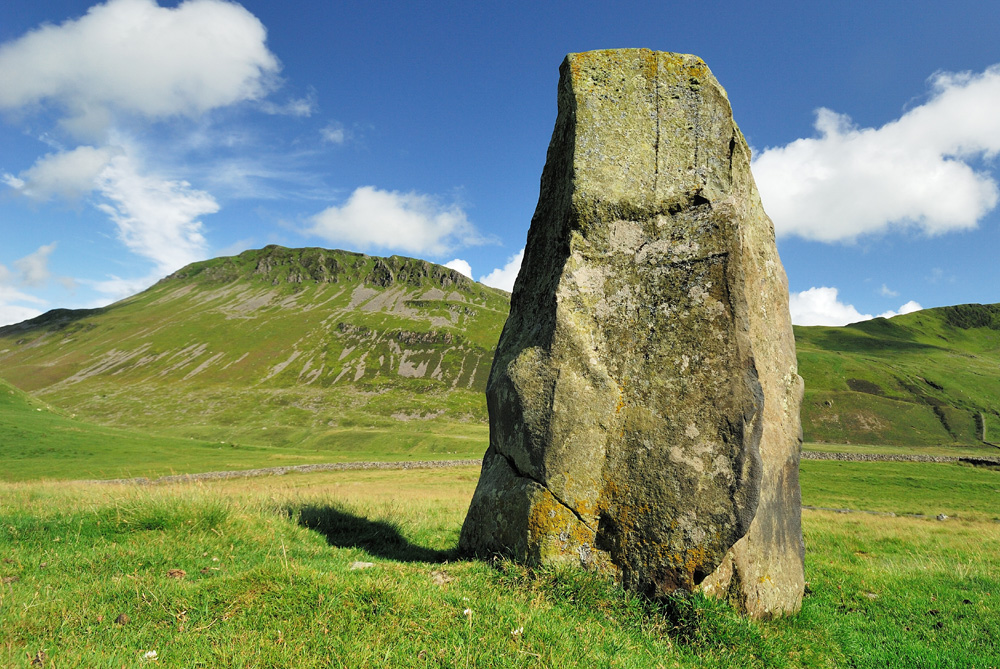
column 903, row 487
column 923, row 379
column 38, row 441
column 268, row 581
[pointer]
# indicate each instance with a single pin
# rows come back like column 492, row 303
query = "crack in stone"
column 656, row 149
column 732, row 150
column 520, row 474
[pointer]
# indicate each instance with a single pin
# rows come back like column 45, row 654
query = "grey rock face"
column 644, row 385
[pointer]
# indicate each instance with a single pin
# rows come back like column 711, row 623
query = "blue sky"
column 136, row 137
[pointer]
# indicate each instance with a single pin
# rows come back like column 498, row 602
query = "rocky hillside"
column 298, row 346
column 270, row 345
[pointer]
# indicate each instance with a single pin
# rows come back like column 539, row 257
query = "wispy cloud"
column 113, row 288
column 304, row 107
column 334, row 133
column 915, row 172
column 155, row 218
column 34, row 267
column 31, row 271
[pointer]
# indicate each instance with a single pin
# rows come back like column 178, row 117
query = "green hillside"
column 927, row 378
column 311, row 348
column 318, row 355
column 37, row 440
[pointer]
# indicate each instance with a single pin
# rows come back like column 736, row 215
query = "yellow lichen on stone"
column 627, row 394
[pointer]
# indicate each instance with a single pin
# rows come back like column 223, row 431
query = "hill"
column 330, row 355
column 927, row 378
column 278, row 347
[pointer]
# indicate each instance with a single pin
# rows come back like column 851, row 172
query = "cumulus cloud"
column 913, row 172
column 460, row 266
column 503, row 277
column 155, row 218
column 409, row 222
column 885, row 291
column 907, row 308
column 822, row 306
column 138, row 57
column 67, row 174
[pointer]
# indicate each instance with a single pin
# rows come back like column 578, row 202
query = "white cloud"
column 503, row 277
column 408, row 222
column 135, row 56
column 305, row 106
column 15, row 313
column 911, row 172
column 12, row 181
column 67, row 174
column 334, row 133
column 34, row 268
column 822, row 306
column 460, row 266
column 115, row 288
column 156, row 218
column 885, row 291
column 907, row 308
column 8, row 293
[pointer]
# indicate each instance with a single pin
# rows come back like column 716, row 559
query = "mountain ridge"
column 297, row 343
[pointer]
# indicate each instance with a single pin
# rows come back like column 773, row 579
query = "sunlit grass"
column 358, row 569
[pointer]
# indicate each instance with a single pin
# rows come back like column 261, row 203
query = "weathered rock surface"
column 644, row 398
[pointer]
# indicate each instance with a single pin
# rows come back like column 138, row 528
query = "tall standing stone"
column 644, row 399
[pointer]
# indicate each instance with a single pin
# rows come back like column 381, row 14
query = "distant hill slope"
column 300, row 347
column 39, row 441
column 926, row 378
column 272, row 346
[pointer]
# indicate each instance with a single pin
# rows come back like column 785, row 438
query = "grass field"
column 259, row 573
column 39, row 441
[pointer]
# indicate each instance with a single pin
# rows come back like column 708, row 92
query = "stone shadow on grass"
column 381, row 538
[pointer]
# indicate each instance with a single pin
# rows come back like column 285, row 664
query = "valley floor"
column 357, row 569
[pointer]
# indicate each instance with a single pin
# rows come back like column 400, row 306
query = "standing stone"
column 643, row 400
